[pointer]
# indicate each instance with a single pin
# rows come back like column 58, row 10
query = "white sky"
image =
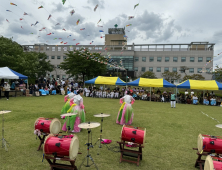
column 159, row 21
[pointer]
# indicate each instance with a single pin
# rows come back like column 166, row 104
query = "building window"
column 199, row 70
column 53, row 48
column 58, row 57
column 65, row 48
column 151, row 59
column 175, row 59
column 144, row 59
column 159, row 59
column 71, row 49
column 151, row 69
column 47, row 48
column 52, row 57
column 143, row 69
column 59, row 48
column 167, row 59
column 166, row 69
column 58, row 66
column 136, row 59
column 208, row 70
column 192, row 59
column 208, row 59
column 158, row 69
column 63, row 76
column 47, row 57
column 191, row 70
column 200, row 59
column 135, row 68
column 183, row 59
column 58, row 76
column 174, row 69
column 64, row 57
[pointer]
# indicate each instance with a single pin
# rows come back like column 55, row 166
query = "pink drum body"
column 58, row 146
column 133, row 134
column 213, row 145
column 217, row 165
column 43, row 124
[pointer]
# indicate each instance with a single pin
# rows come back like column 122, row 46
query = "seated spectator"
column 112, row 94
column 188, row 100
column 62, row 90
column 134, row 95
column 140, row 95
column 195, row 99
column 218, row 101
column 213, row 101
column 153, row 97
column 162, row 97
column 144, row 96
column 205, row 102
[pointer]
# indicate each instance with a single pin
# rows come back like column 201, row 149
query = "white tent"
column 7, row 73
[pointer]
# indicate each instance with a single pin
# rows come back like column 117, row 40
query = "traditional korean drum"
column 48, row 125
column 207, row 143
column 210, row 164
column 133, row 134
column 60, row 146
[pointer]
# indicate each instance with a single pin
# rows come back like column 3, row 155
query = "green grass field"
column 171, row 133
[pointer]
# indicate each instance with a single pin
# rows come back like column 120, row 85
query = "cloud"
column 59, row 7
column 87, row 7
column 95, row 2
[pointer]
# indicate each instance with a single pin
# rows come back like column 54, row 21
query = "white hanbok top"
column 78, row 99
column 127, row 99
column 71, row 95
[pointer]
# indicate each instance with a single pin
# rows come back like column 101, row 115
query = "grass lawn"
column 171, row 133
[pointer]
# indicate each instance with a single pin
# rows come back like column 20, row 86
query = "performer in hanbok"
column 78, row 108
column 125, row 115
column 67, row 99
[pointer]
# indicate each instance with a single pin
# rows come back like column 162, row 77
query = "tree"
column 84, row 63
column 193, row 77
column 169, row 76
column 183, row 69
column 148, row 74
column 217, row 74
column 31, row 64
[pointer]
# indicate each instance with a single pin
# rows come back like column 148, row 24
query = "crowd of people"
column 64, row 87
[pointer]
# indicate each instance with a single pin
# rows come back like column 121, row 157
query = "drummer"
column 77, row 108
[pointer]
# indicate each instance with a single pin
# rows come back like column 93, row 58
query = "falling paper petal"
column 25, row 13
column 65, row 42
column 13, row 4
column 128, row 25
column 72, row 12
column 20, row 19
column 69, row 36
column 61, row 42
column 64, row 29
column 57, row 24
column 101, row 31
column 40, row 7
column 82, row 29
column 63, row 1
column 8, row 10
column 49, row 34
column 99, row 25
column 36, row 22
column 49, row 16
column 96, row 7
column 130, row 17
column 77, row 22
column 77, row 43
column 136, row 5
column 7, row 20
column 99, row 21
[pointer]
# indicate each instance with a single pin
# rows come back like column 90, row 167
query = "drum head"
column 144, row 138
column 74, row 148
column 50, row 135
column 55, row 126
column 122, row 132
column 200, row 143
column 208, row 163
